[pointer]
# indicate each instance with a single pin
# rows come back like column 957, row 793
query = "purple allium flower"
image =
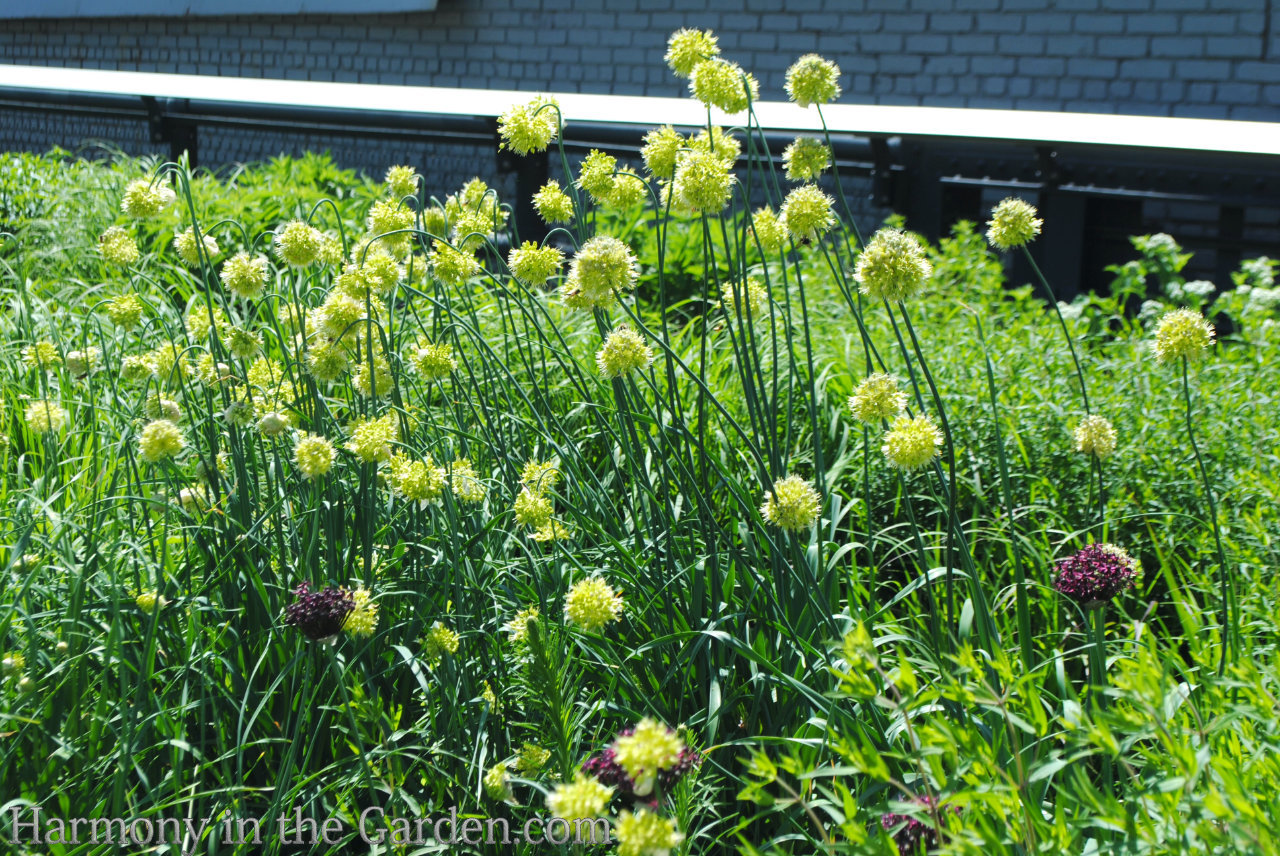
column 319, row 615
column 1096, row 574
column 913, row 836
column 606, row 769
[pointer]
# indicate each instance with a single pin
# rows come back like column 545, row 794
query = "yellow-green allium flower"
column 518, row 627
column 438, row 641
column 893, row 266
column 813, row 80
column 239, row 413
column 142, row 199
column 125, row 311
column 552, row 530
column 651, row 747
column 592, row 603
column 202, row 322
column 491, row 699
column 135, row 367
column 732, row 300
column 687, row 47
column 721, row 83
column 168, row 363
column 362, row 620
column 433, row 360
column 912, row 442
column 540, row 476
column 464, row 482
column 644, row 833
column 793, row 504
column 160, row 439
column 530, row 127
column 805, row 159
column 452, row 267
column 806, row 213
column 189, row 250
column 629, row 190
column 768, row 229
column 417, row 481
column 148, row 601
column 44, row 416
column 391, row 215
column 330, row 251
column 299, row 243
column 534, row 265
column 603, row 269
column 1013, row 223
column 531, row 759
column 327, row 361
column 703, row 183
column 624, row 351
column 273, row 423
column 553, row 204
column 245, row 275
column 532, row 509
column 1095, row 436
column 661, row 147
column 435, row 221
column 314, row 455
column 497, row 784
column 118, row 247
column 1182, row 333
column 244, row 344
column 718, row 143
column 401, row 181
column 12, row 664
column 340, row 313
column 596, row 175
column 80, row 363
column 42, row 355
column 584, row 797
column 373, row 377
column 471, row 228
column 877, row 399
column 371, row 439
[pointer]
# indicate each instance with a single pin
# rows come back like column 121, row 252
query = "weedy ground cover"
column 323, row 494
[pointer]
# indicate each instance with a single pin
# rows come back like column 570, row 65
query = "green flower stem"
column 1053, row 301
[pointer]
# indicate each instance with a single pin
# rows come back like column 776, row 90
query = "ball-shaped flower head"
column 245, row 275
column 768, row 229
column 596, row 175
column 661, row 146
column 373, row 377
column 417, row 481
column 381, row 272
column 553, row 204
column 912, row 442
column 452, row 267
column 464, row 482
column 805, row 159
column 125, row 311
column 371, row 439
column 391, row 216
column 148, row 601
column 584, row 797
column 1096, row 574
column 160, row 439
column 80, row 363
column 438, row 641
column 877, row 399
column 737, row 300
column 644, row 833
column 497, row 782
column 629, row 190
column 1182, row 333
column 893, row 266
column 319, row 615
column 703, row 182
column 433, row 360
column 603, row 268
column 813, row 80
column 314, row 455
column 362, row 620
column 530, row 127
column 540, row 476
column 649, row 748
column 142, row 199
column 401, row 181
column 533, row 508
column 1013, row 223
column 1095, row 436
column 721, row 83
column 806, row 213
column 44, row 416
column 687, row 47
column 793, row 504
column 42, row 355
column 299, row 243
column 117, row 246
column 189, row 250
column 534, row 265
column 716, row 142
column 592, row 603
column 273, row 423
column 624, row 351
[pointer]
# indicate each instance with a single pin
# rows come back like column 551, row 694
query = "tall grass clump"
column 334, row 498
